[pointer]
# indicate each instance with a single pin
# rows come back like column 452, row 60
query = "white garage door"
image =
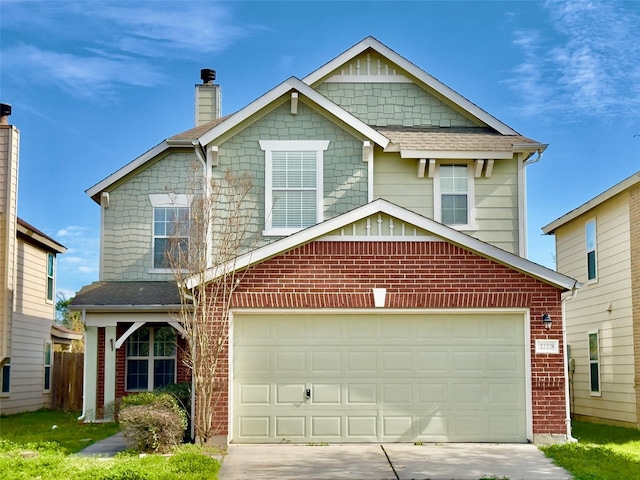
column 378, row 377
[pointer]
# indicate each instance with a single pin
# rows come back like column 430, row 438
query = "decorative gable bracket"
column 428, row 166
column 367, row 151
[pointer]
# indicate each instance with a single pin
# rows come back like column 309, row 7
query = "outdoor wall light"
column 546, row 320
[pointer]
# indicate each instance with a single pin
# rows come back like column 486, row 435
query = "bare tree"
column 202, row 255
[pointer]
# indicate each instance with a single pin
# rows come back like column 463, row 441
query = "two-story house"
column 27, row 292
column 599, row 244
column 388, row 297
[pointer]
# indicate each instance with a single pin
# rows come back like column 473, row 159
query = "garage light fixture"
column 546, row 321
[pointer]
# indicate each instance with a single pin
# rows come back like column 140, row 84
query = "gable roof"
column 291, row 85
column 593, row 203
column 454, row 97
column 440, row 230
column 30, row 232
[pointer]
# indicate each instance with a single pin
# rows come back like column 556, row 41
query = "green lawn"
column 40, row 445
column 603, row 452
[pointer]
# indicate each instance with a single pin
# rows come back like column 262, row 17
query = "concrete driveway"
column 393, row 461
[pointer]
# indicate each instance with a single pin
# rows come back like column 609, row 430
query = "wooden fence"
column 66, row 392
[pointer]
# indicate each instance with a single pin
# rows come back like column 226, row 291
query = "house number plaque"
column 547, row 346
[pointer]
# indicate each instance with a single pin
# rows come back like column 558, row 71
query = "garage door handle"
column 307, row 393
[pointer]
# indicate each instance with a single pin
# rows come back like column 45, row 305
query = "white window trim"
column 598, row 361
column 46, row 365
column 595, row 249
column 150, row 359
column 269, row 146
column 471, row 202
column 166, row 200
column 52, row 277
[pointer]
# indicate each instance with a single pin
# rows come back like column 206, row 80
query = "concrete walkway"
column 106, row 448
column 395, row 461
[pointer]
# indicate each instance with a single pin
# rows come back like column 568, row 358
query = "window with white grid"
column 293, row 184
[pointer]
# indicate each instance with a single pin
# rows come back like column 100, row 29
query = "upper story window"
column 591, row 244
column 454, row 195
column 171, row 223
column 151, row 358
column 51, row 266
column 293, row 184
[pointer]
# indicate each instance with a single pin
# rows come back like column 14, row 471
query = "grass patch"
column 31, row 448
column 54, row 426
column 603, row 452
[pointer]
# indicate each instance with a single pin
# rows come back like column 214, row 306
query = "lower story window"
column 5, row 376
column 151, row 358
column 48, row 358
column 594, row 363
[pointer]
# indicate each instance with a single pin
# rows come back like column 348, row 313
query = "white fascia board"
column 424, row 77
column 382, row 206
column 594, row 202
column 127, row 169
column 455, row 154
column 284, row 88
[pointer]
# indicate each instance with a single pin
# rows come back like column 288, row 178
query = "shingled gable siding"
column 416, row 275
column 393, row 104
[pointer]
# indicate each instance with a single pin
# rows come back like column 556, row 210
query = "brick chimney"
column 208, row 100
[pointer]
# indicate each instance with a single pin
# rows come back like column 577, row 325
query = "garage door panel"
column 434, row 378
column 362, row 426
column 291, row 362
column 290, row 393
column 361, row 393
column 287, row 427
column 363, row 361
column 327, row 394
column 395, row 361
column 255, row 394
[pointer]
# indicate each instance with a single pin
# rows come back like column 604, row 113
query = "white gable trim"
column 315, row 97
column 593, row 203
column 382, row 206
column 370, row 42
column 127, row 169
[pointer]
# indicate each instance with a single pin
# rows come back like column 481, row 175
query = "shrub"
column 152, row 421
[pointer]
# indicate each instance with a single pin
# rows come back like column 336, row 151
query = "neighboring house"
column 599, row 244
column 27, row 293
column 404, row 189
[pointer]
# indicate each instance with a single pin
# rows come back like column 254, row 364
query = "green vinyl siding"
column 386, row 104
column 344, row 172
column 496, row 198
column 128, row 222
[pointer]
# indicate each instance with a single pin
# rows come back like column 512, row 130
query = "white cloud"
column 91, row 49
column 588, row 65
column 79, row 265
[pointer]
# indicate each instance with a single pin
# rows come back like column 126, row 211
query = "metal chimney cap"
column 207, row 75
column 5, row 109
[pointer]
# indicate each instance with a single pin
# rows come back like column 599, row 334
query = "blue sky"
column 95, row 84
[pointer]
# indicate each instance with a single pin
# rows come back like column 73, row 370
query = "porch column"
column 109, row 371
column 90, row 373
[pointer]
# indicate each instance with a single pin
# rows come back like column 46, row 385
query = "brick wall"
column 416, row 275
column 634, row 235
column 100, row 379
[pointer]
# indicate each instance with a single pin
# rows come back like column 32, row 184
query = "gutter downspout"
column 534, row 160
column 84, row 383
column 574, row 293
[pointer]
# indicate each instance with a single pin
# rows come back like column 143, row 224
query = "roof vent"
column 5, row 111
column 207, row 75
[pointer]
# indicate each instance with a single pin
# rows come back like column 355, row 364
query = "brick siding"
column 416, row 275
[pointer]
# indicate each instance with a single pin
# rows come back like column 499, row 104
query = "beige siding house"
column 27, row 293
column 598, row 243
